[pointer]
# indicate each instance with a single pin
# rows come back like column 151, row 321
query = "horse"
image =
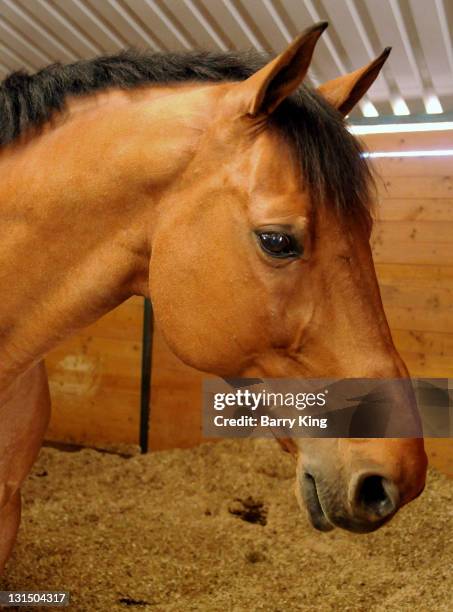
column 232, row 195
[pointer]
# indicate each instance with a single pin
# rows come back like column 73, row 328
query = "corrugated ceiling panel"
column 235, row 28
column 325, row 64
column 11, row 36
column 34, row 33
column 61, row 25
column 430, row 35
column 203, row 31
column 403, row 65
column 33, row 30
column 162, row 24
column 120, row 19
column 84, row 24
column 355, row 42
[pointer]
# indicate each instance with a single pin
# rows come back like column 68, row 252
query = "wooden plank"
column 386, row 250
column 408, row 141
column 427, row 365
column 422, row 276
column 102, row 420
column 411, row 296
column 419, row 341
column 416, row 187
column 413, row 166
column 176, row 400
column 81, row 366
column 401, row 317
column 122, row 323
column 135, row 300
column 415, row 232
column 94, row 380
column 414, row 209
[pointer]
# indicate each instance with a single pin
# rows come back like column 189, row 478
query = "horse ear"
column 344, row 92
column 266, row 89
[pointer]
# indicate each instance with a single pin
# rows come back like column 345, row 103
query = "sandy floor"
column 166, row 532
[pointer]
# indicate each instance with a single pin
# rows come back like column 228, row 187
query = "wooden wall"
column 95, row 380
column 413, row 249
column 95, row 376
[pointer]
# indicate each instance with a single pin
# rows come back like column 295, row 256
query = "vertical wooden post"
column 145, row 392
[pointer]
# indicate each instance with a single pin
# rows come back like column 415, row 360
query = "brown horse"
column 238, row 201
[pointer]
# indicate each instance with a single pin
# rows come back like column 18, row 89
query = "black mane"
column 331, row 159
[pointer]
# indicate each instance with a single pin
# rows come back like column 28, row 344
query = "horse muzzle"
column 371, row 501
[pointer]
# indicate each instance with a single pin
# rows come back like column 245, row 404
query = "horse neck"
column 76, row 211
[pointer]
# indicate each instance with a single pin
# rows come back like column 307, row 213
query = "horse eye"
column 278, row 244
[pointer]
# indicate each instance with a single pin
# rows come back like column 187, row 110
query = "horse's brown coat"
column 101, row 206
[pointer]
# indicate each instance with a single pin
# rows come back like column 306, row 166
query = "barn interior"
column 129, row 505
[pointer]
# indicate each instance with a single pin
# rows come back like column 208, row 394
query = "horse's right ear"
column 261, row 93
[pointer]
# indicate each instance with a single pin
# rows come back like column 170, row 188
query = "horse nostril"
column 377, row 496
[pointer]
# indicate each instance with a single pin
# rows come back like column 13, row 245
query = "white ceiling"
column 417, row 77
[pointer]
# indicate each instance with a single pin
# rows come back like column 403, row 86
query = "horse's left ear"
column 344, row 92
column 261, row 93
